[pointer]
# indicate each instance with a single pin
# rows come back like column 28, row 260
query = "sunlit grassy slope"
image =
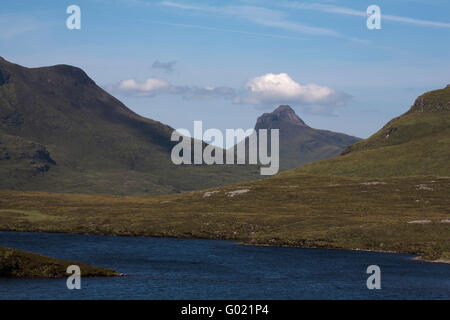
column 415, row 143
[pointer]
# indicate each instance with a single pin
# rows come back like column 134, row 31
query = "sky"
column 227, row 62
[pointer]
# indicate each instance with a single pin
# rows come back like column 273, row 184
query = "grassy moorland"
column 403, row 214
column 18, row 263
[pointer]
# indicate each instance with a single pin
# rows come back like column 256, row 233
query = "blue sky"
column 218, row 61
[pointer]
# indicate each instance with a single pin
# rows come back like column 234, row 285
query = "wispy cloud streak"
column 351, row 12
column 184, row 25
column 260, row 16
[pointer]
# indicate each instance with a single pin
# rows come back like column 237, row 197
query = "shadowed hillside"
column 61, row 132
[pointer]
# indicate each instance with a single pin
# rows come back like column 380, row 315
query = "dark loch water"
column 160, row 268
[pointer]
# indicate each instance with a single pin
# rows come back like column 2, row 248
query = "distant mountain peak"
column 284, row 107
column 282, row 116
column 298, row 142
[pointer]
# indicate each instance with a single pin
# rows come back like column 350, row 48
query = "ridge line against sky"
column 226, row 62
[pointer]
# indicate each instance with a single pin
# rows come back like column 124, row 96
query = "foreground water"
column 160, row 268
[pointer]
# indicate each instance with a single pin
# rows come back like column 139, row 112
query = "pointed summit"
column 283, row 116
column 299, row 143
column 287, row 114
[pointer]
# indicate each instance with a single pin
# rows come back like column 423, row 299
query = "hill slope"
column 60, row 132
column 415, row 143
column 402, row 214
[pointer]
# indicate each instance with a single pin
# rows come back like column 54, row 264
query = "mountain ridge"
column 390, row 193
column 97, row 143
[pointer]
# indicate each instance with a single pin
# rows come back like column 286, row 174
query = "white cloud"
column 280, row 88
column 153, row 86
column 264, row 91
column 149, row 87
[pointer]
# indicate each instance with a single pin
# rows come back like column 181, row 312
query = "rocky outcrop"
column 25, row 154
column 436, row 100
column 280, row 118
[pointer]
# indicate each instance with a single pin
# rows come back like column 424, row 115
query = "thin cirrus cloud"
column 270, row 89
column 260, row 16
column 329, row 8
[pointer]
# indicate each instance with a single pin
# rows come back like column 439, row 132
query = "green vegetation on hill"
column 415, row 143
column 18, row 263
column 388, row 192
